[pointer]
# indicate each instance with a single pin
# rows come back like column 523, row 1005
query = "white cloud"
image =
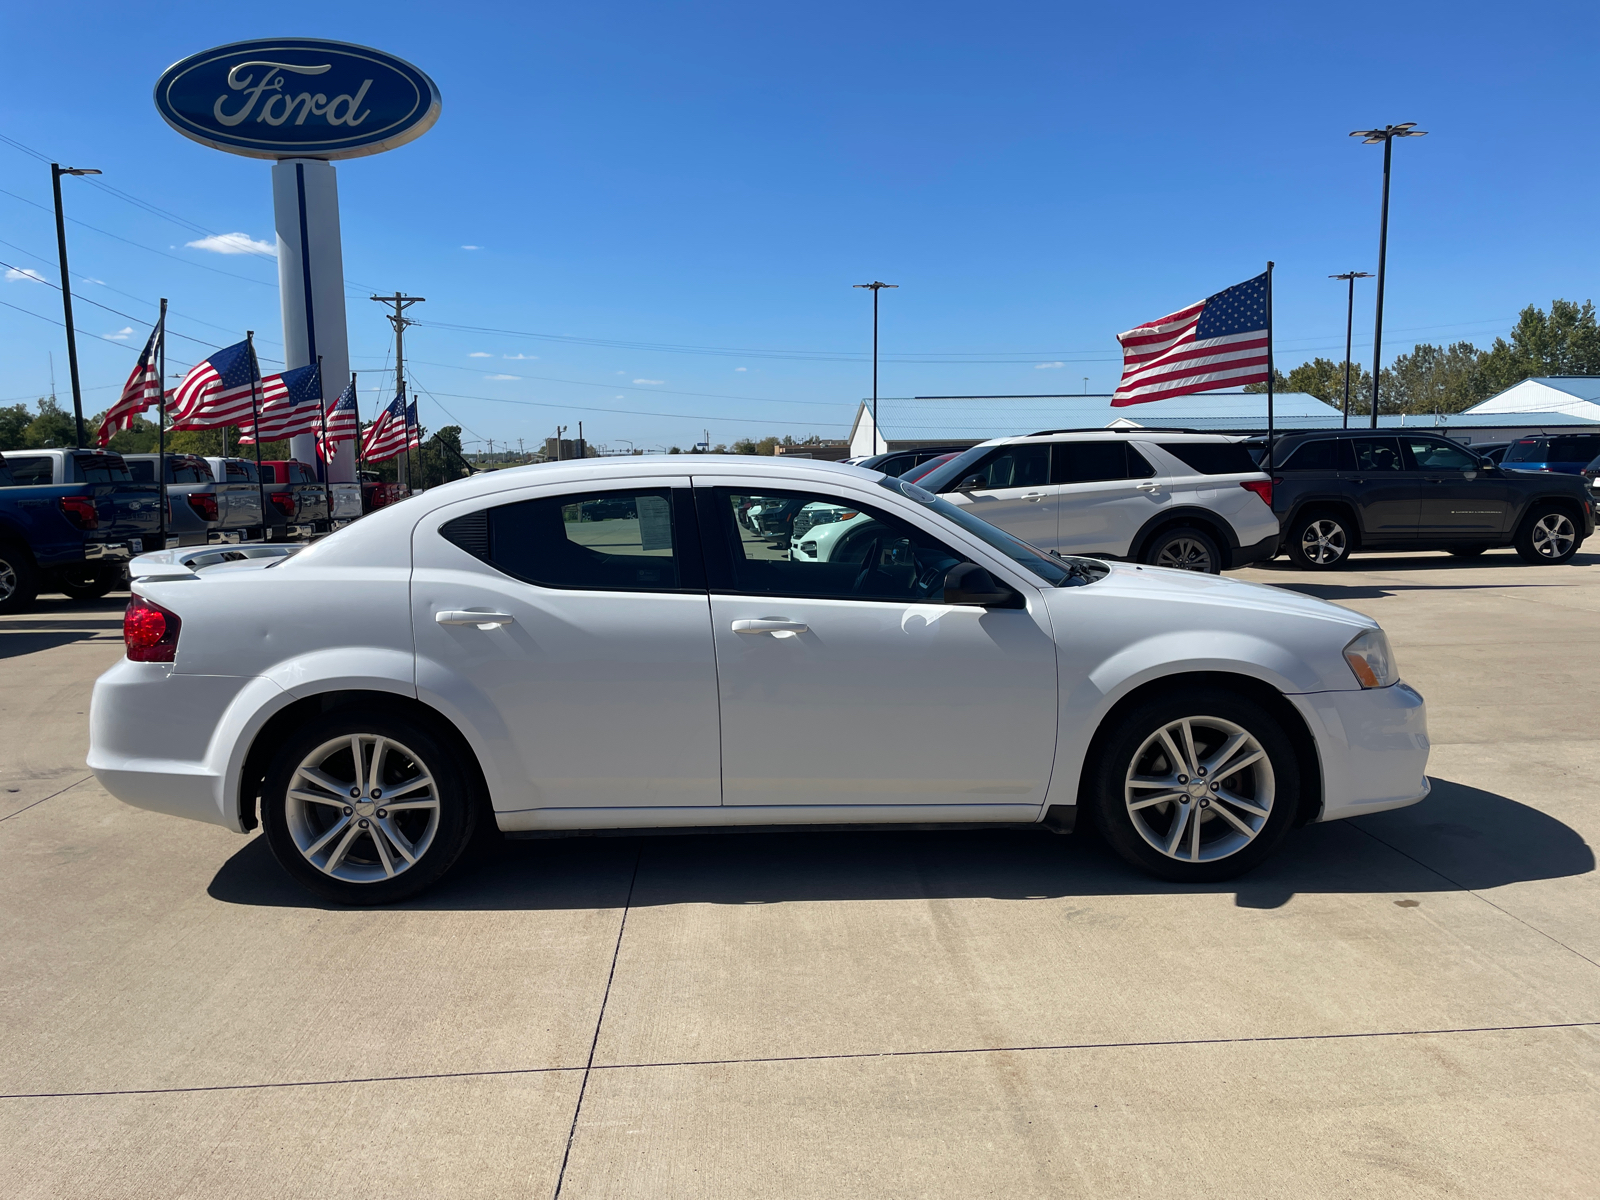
column 515, row 357
column 502, row 377
column 120, row 335
column 649, row 380
column 741, row 368
column 26, row 273
column 1048, row 366
column 621, row 372
column 233, row 243
column 472, row 247
column 480, row 354
column 90, row 279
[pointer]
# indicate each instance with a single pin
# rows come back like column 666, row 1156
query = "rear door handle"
column 1147, row 486
column 772, row 627
column 483, row 620
column 1033, row 497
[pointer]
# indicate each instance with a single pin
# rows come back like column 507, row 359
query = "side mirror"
column 971, row 482
column 968, row 583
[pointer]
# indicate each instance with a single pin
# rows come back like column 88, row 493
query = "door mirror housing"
column 971, row 483
column 968, row 583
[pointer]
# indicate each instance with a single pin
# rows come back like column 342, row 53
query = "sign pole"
column 1268, row 467
column 255, row 427
column 161, row 420
column 322, row 460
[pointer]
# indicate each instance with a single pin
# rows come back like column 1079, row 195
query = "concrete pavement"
column 1408, row 1005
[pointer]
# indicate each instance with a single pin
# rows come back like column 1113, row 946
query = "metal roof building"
column 1570, row 395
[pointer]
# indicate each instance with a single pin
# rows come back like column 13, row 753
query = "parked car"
column 1490, row 451
column 297, row 504
column 1187, row 500
column 912, row 474
column 194, row 509
column 1340, row 493
column 377, row 493
column 473, row 659
column 69, row 522
column 239, row 493
column 1591, row 476
column 898, row 462
column 1565, row 453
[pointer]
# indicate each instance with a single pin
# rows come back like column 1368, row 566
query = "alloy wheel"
column 1553, row 535
column 1199, row 789
column 1324, row 542
column 362, row 808
column 8, row 581
column 1185, row 554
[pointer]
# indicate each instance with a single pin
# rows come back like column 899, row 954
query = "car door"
column 1013, row 491
column 848, row 681
column 1387, row 494
column 1459, row 499
column 1107, row 491
column 592, row 667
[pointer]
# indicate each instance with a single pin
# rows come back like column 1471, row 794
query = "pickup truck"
column 69, row 522
column 297, row 504
column 193, row 510
column 239, row 497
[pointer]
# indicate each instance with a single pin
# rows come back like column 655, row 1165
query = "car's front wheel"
column 1320, row 541
column 1196, row 787
column 1547, row 536
column 1185, row 548
column 19, row 581
column 368, row 810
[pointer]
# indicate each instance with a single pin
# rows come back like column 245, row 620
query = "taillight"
column 80, row 511
column 283, row 502
column 1261, row 487
column 205, row 504
column 149, row 631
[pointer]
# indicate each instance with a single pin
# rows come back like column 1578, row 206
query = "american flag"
column 291, row 403
column 141, row 391
column 1220, row 342
column 218, row 391
column 344, row 423
column 387, row 436
column 413, row 429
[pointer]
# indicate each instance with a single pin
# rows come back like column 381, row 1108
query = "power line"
column 635, row 412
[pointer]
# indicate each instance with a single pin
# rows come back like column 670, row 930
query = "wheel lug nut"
column 383, row 812
column 363, row 822
column 355, row 793
column 348, row 810
column 1183, row 779
column 1202, row 770
column 376, row 792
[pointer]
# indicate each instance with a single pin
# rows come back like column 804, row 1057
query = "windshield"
column 1527, row 450
column 941, row 477
column 1054, row 570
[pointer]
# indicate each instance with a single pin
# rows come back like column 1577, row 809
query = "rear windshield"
column 142, row 472
column 192, row 470
column 102, row 468
column 302, row 474
column 1212, row 458
column 30, row 470
column 241, row 472
column 1527, row 450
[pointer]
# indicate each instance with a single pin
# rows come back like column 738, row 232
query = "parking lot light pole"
column 1349, row 328
column 876, row 287
column 56, row 172
column 1371, row 137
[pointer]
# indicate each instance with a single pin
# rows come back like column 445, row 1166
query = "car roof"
column 1165, row 435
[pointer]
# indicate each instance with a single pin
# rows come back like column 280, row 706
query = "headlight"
column 1371, row 660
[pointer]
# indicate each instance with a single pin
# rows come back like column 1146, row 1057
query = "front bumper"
column 1374, row 748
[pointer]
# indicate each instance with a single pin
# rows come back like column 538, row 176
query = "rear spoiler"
column 184, row 564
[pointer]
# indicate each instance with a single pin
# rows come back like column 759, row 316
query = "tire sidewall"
column 1109, row 771
column 459, row 804
column 27, row 579
column 1297, row 532
column 1153, row 553
column 1524, row 540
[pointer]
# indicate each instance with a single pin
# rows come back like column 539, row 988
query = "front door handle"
column 776, row 628
column 1033, row 497
column 1147, row 487
column 465, row 616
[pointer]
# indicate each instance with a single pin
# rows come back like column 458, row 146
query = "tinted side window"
column 1526, row 450
column 5, row 475
column 1313, row 456
column 1574, row 448
column 142, row 472
column 1212, row 458
column 1088, row 462
column 604, row 541
column 845, row 552
column 898, row 465
column 102, row 468
column 30, row 469
column 1138, row 465
column 1015, row 466
column 241, row 472
column 1377, row 455
column 1431, row 455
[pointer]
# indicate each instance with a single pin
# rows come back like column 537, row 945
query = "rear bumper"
column 1260, row 551
column 1374, row 748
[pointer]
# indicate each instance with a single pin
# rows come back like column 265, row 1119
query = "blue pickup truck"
column 69, row 522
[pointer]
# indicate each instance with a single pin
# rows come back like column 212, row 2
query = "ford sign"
column 297, row 98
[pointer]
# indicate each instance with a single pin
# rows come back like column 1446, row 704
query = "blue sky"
column 714, row 177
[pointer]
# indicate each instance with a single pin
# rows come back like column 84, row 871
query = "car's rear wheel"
column 368, row 810
column 88, row 583
column 19, row 579
column 1320, row 541
column 1196, row 787
column 1186, row 549
column 1548, row 536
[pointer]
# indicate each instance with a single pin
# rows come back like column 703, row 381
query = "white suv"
column 1195, row 501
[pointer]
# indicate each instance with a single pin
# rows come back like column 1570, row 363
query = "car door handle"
column 773, row 627
column 1147, row 487
column 483, row 620
column 1034, row 497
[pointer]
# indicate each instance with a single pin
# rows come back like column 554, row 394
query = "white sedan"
column 605, row 645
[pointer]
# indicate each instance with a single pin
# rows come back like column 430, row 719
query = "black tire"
column 436, row 835
column 88, row 583
column 19, row 579
column 1548, row 536
column 1322, row 540
column 1135, row 750
column 1185, row 548
column 1468, row 551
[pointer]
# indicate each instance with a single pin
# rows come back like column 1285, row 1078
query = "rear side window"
column 1212, row 458
column 1574, row 448
column 102, row 468
column 29, row 470
column 600, row 541
column 1377, row 455
column 1093, row 462
column 1328, row 454
column 898, row 465
column 1527, row 450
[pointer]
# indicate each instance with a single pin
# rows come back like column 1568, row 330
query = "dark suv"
column 1337, row 493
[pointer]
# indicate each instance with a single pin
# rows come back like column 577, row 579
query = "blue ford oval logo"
column 297, row 98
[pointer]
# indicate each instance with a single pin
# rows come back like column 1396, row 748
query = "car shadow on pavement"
column 1459, row 837
column 17, row 639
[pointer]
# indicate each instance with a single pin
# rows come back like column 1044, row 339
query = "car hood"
column 1195, row 587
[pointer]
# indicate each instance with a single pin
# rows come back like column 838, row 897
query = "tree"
column 14, row 423
column 1564, row 342
column 1432, row 379
column 52, row 427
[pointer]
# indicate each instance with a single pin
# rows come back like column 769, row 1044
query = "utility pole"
column 399, row 320
column 1371, row 137
column 560, row 429
column 876, row 286
column 1349, row 327
column 56, row 172
column 521, row 453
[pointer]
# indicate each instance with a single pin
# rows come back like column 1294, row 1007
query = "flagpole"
column 1268, row 467
column 161, row 422
column 255, row 426
column 355, row 396
column 322, row 463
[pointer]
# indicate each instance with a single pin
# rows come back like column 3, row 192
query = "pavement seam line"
column 51, row 796
column 1265, row 1039
column 594, row 1043
column 1477, row 895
